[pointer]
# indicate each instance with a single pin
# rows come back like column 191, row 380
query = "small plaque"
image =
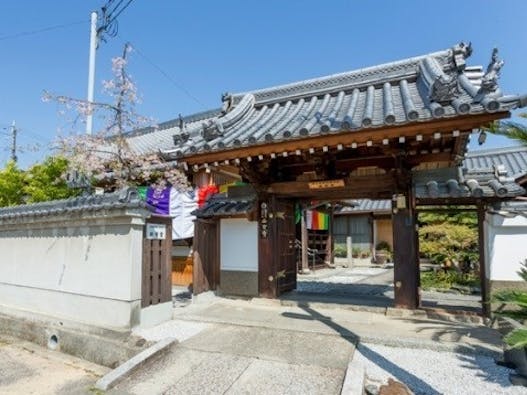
column 156, row 231
column 264, row 220
column 401, row 201
column 328, row 184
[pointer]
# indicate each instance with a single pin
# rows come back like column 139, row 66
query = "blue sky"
column 209, row 47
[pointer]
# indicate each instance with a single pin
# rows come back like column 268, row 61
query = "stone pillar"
column 305, row 241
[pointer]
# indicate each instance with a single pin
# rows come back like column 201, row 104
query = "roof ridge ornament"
column 183, row 136
column 228, row 102
column 489, row 82
column 444, row 89
column 460, row 52
column 211, row 129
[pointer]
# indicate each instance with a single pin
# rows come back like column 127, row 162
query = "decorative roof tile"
column 222, row 206
column 419, row 89
column 514, row 159
column 126, row 198
column 475, row 183
column 361, row 206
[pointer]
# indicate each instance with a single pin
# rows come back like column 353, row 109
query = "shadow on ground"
column 397, row 372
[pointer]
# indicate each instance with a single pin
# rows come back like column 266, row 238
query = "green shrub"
column 340, row 251
column 445, row 279
column 518, row 337
column 355, row 252
column 448, row 244
column 383, row 245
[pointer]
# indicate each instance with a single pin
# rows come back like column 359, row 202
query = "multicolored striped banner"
column 316, row 220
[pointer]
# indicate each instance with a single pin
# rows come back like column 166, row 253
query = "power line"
column 37, row 31
column 168, row 77
column 108, row 20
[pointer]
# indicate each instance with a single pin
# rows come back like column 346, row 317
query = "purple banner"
column 160, row 199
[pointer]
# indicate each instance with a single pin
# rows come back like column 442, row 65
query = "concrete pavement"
column 26, row 368
column 260, row 346
column 399, row 327
column 257, row 346
column 237, row 359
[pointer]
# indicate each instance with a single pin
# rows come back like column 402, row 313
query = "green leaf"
column 518, row 298
column 12, row 182
column 517, row 338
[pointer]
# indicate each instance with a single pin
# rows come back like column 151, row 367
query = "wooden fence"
column 157, row 251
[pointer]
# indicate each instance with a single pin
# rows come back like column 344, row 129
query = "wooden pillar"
column 266, row 257
column 305, row 241
column 406, row 250
column 485, row 302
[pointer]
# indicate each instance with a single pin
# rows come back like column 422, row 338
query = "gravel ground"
column 337, row 282
column 433, row 372
column 181, row 330
column 348, row 276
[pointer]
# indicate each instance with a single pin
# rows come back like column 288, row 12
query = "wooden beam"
column 460, row 201
column 429, row 158
column 384, row 162
column 363, row 186
column 349, row 137
column 460, row 143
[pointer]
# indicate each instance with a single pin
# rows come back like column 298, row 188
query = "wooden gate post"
column 156, row 285
column 406, row 251
column 266, row 258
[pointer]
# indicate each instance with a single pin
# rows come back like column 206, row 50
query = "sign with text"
column 328, row 184
column 156, row 231
column 264, row 220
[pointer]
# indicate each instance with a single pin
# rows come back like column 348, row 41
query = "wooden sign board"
column 327, row 184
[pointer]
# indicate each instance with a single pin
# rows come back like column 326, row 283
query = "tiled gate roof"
column 433, row 86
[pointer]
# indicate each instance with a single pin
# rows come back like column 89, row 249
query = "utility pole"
column 91, row 71
column 108, row 26
column 13, row 145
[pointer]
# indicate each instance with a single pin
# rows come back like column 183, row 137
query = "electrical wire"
column 121, row 10
column 167, row 76
column 37, row 31
column 109, row 24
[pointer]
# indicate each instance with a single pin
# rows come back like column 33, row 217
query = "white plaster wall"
column 506, row 246
column 239, row 245
column 87, row 271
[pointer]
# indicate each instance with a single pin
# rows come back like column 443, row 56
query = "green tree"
column 511, row 129
column 45, row 181
column 12, row 182
column 518, row 337
column 448, row 237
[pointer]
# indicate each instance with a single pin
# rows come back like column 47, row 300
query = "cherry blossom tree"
column 105, row 157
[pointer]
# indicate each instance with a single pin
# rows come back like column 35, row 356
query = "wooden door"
column 157, row 246
column 206, row 256
column 285, row 251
